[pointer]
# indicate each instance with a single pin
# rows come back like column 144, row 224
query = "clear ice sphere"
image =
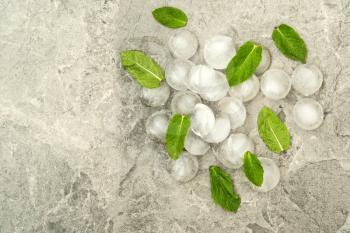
column 308, row 114
column 247, row 90
column 265, row 62
column 202, row 120
column 157, row 124
column 275, row 84
column 183, row 44
column 271, row 175
column 184, row 168
column 234, row 109
column 195, row 145
column 183, row 102
column 220, row 131
column 307, row 79
column 155, row 96
column 218, row 51
column 201, row 79
column 176, row 74
column 232, row 150
column 218, row 90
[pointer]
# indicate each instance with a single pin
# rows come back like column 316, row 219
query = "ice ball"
column 218, row 89
column 232, row 150
column 275, row 84
column 202, row 120
column 201, row 79
column 247, row 90
column 183, row 44
column 271, row 175
column 183, row 102
column 221, row 130
column 234, row 109
column 195, row 145
column 155, row 96
column 264, row 63
column 308, row 114
column 176, row 74
column 307, row 79
column 184, row 168
column 157, row 124
column 218, row 51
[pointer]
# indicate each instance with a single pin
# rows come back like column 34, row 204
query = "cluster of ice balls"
column 198, row 83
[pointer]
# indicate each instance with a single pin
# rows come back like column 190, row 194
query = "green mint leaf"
column 253, row 169
column 142, row 68
column 244, row 63
column 273, row 131
column 288, row 41
column 175, row 135
column 222, row 189
column 170, row 17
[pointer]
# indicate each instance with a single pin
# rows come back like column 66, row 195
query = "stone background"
column 74, row 156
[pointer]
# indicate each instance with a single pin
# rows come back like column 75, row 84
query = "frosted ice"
column 195, row 145
column 183, row 102
column 234, row 109
column 218, row 90
column 247, row 90
column 202, row 120
column 307, row 79
column 271, row 175
column 275, row 84
column 201, row 79
column 184, row 168
column 220, row 131
column 218, row 51
column 183, row 44
column 232, row 150
column 308, row 114
column 176, row 74
column 157, row 124
column 265, row 62
column 155, row 96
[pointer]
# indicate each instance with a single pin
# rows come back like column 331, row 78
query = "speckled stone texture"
column 74, row 155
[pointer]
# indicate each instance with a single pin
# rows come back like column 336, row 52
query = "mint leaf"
column 288, row 41
column 222, row 189
column 142, row 68
column 176, row 134
column 273, row 131
column 244, row 63
column 170, row 17
column 253, row 169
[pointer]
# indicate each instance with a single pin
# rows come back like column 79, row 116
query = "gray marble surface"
column 74, row 156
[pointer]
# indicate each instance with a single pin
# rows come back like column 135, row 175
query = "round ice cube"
column 183, row 44
column 195, row 145
column 307, row 79
column 201, row 79
column 220, row 131
column 176, row 74
column 308, row 114
column 247, row 90
column 275, row 84
column 202, row 120
column 157, row 124
column 218, row 90
column 155, row 96
column 183, row 102
column 265, row 62
column 184, row 168
column 232, row 150
column 218, row 51
column 235, row 110
column 271, row 175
